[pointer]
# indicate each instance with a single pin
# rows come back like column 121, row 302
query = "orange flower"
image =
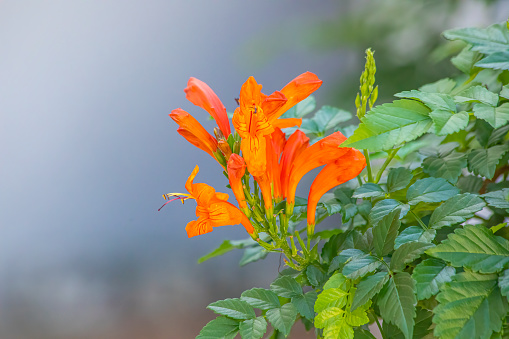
column 193, row 131
column 343, row 169
column 296, row 143
column 236, row 170
column 213, row 209
column 200, row 94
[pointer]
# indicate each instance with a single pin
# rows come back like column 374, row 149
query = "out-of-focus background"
column 87, row 147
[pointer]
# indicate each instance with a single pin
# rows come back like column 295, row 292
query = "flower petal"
column 193, row 131
column 198, row 227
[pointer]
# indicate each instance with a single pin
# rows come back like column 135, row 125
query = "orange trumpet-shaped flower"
column 343, row 169
column 322, row 152
column 236, row 170
column 200, row 94
column 296, row 143
column 213, row 209
column 193, row 131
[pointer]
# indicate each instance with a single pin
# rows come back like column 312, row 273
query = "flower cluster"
column 259, row 148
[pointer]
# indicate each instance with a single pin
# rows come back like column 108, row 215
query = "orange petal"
column 198, row 227
column 265, row 186
column 345, row 168
column 236, row 170
column 203, row 193
column 253, row 150
column 193, row 131
column 200, row 94
column 296, row 143
column 275, row 144
column 250, row 94
column 223, row 214
column 273, row 102
column 285, row 123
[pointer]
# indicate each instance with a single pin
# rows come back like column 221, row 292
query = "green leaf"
column 456, row 210
column 498, row 60
column 385, row 232
column 503, row 283
column 253, row 328
column 477, row 94
column 466, row 59
column 329, row 117
column 414, row 233
column 504, row 92
column 421, row 329
column 368, row 288
column 305, row 304
column 435, row 101
column 445, row 122
column 252, row 254
column 407, row 253
column 445, row 86
column 282, row 318
column 396, row 301
column 360, row 333
column 430, row 190
column 260, row 298
column 474, row 247
column 301, row 109
column 430, row 275
column 498, row 199
column 360, row 266
column 315, row 275
column 286, row 287
column 495, row 116
column 470, row 306
column 331, row 297
column 384, row 207
column 470, row 184
column 233, row 308
column 368, row 190
column 484, row 161
column 219, row 328
column 389, row 125
column 489, row 40
column 449, row 167
column 398, row 179
column 225, row 247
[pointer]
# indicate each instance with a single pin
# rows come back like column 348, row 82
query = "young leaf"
column 477, row 94
column 414, row 233
column 219, row 328
column 253, row 328
column 385, row 232
column 260, row 298
column 407, row 253
column 282, row 318
column 435, row 101
column 484, row 161
column 233, row 308
column 368, row 288
column 470, row 307
column 330, row 297
column 368, row 190
column 430, row 190
column 384, row 207
column 305, row 304
column 498, row 60
column 495, row 116
column 429, row 275
column 396, row 301
column 286, row 287
column 398, row 179
column 360, row 266
column 498, row 199
column 456, row 210
column 446, row 122
column 503, row 283
column 474, row 247
column 391, row 124
column 448, row 167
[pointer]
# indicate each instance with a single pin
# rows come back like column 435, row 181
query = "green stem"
column 368, row 166
column 379, row 326
column 391, row 156
column 423, row 225
column 359, row 180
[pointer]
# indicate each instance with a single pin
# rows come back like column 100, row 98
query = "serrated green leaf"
column 466, row 59
column 360, row 333
column 456, row 210
column 282, row 318
column 225, row 247
column 396, row 301
column 449, row 167
column 368, row 190
column 477, row 94
column 286, row 287
column 470, row 184
column 384, row 207
column 430, row 190
column 398, row 179
column 368, row 288
column 315, row 275
column 233, row 308
column 252, row 254
column 435, row 101
column 301, row 109
column 406, row 253
column 350, row 239
column 360, row 266
column 338, row 330
column 429, row 275
column 474, row 247
column 495, row 116
column 329, row 316
column 391, row 124
column 260, row 298
column 441, row 86
column 497, row 60
column 385, row 233
column 497, row 136
column 359, row 316
column 446, row 122
column 498, row 199
column 488, row 40
column 470, row 306
column 305, row 304
column 504, row 92
column 331, row 297
column 329, row 117
column 421, row 329
column 253, row 328
column 219, row 328
column 414, row 233
column 503, row 283
column 484, row 161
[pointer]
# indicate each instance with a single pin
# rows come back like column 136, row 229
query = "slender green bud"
column 367, row 80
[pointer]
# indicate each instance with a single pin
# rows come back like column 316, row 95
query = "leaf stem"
column 391, row 156
column 368, row 166
column 379, row 325
column 423, row 225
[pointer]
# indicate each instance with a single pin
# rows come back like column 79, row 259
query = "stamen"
column 178, row 196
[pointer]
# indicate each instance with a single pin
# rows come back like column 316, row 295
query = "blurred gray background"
column 87, row 147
